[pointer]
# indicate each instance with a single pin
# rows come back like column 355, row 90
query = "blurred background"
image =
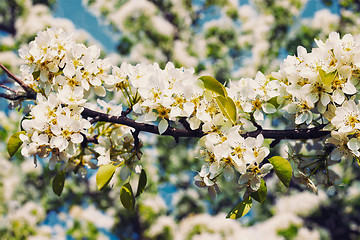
column 227, row 39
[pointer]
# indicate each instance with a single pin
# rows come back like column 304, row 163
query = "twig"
column 31, row 94
column 277, row 135
column 13, row 97
column 185, row 124
column 7, row 88
column 294, row 134
column 125, row 113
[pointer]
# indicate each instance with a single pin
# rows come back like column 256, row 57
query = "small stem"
column 277, row 135
column 125, row 113
column 7, row 88
column 13, row 97
column 31, row 94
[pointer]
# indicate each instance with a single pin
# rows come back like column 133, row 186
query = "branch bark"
column 277, row 135
column 294, row 134
column 30, row 93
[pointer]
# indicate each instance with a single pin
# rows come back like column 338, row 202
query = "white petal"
column 349, row 88
column 255, row 184
column 244, row 178
column 69, row 70
column 258, row 115
column 124, row 173
column 266, row 168
column 354, row 144
column 53, row 67
column 77, row 138
column 56, row 142
column 85, row 84
column 269, row 108
column 208, row 182
column 95, row 81
column 100, row 91
column 194, row 123
column 228, row 173
column 336, row 155
column 338, row 96
column 302, row 117
column 325, row 99
column 163, row 125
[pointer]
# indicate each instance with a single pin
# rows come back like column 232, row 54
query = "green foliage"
column 289, row 233
column 260, row 195
column 142, row 183
column 127, row 196
column 213, row 85
column 282, row 169
column 240, row 209
column 228, row 108
column 14, row 143
column 327, row 78
column 59, row 183
column 125, row 45
column 104, row 175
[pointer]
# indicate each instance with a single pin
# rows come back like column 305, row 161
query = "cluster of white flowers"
column 53, row 129
column 64, row 74
column 311, row 88
column 321, row 87
column 229, row 152
column 165, row 95
column 117, row 147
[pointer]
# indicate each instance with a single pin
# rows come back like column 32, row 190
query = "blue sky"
column 82, row 18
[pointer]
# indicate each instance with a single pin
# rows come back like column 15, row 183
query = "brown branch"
column 31, row 94
column 294, row 134
column 13, row 97
column 7, row 88
column 277, row 135
column 142, row 127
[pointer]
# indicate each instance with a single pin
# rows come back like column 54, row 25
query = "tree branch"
column 31, row 94
column 13, row 97
column 294, row 134
column 277, row 135
column 142, row 127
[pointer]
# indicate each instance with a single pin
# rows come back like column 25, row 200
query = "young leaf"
column 104, row 175
column 231, row 109
column 36, row 75
column 327, row 78
column 127, row 197
column 58, row 183
column 240, row 209
column 282, row 169
column 142, row 183
column 227, row 107
column 213, row 85
column 14, row 143
column 260, row 195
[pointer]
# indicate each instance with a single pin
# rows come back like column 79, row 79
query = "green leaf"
column 327, row 78
column 14, row 143
column 127, row 197
column 282, row 169
column 213, row 85
column 142, row 183
column 36, row 75
column 104, row 175
column 227, row 107
column 260, row 195
column 240, row 209
column 58, row 183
